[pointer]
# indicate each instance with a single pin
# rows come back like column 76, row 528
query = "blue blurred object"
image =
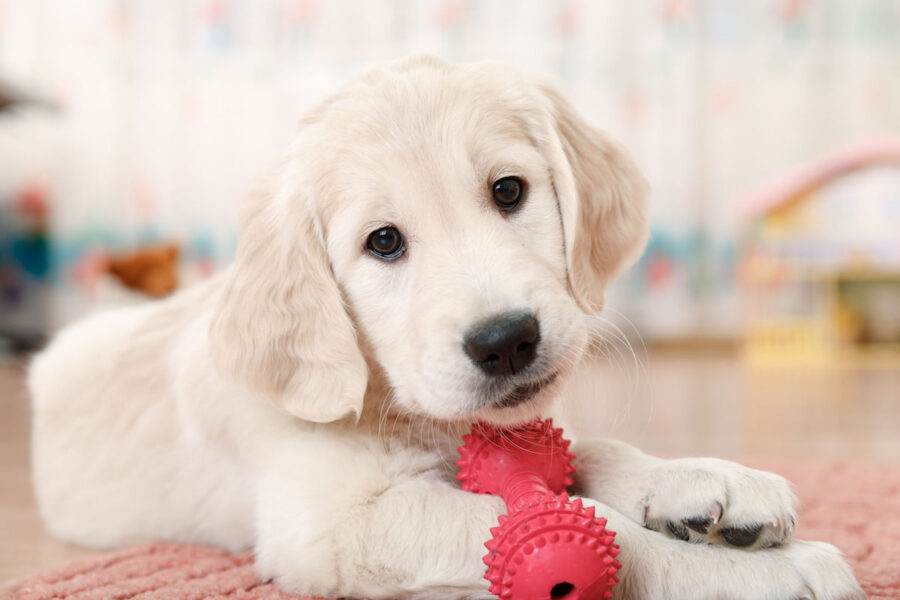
column 25, row 268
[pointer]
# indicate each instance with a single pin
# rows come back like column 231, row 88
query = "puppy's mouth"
column 524, row 392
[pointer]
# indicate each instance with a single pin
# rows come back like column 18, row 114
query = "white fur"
column 308, row 401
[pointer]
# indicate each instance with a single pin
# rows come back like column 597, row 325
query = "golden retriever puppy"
column 423, row 257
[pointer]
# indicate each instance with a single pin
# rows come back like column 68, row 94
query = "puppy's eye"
column 386, row 243
column 508, row 193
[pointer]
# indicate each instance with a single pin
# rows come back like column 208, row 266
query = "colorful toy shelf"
column 819, row 270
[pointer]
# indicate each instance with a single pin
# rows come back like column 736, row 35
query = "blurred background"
column 762, row 321
column 142, row 122
column 770, row 132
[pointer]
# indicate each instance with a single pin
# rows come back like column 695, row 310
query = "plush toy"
column 152, row 270
column 547, row 547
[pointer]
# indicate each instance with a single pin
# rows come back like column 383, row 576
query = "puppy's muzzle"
column 504, row 344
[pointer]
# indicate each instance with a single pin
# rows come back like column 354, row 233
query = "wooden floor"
column 676, row 403
column 24, row 547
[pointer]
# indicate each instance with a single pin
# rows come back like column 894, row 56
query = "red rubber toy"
column 548, row 547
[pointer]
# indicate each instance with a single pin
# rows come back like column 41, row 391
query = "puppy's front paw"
column 825, row 572
column 796, row 571
column 654, row 568
column 719, row 502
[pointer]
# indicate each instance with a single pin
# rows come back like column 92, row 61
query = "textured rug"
column 856, row 507
column 159, row 571
column 853, row 505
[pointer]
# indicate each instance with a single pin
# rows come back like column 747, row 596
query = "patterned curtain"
column 169, row 108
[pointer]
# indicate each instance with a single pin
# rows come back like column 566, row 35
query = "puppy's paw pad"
column 698, row 524
column 741, row 536
column 678, row 531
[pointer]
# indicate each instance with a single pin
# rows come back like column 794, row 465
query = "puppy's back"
column 106, row 442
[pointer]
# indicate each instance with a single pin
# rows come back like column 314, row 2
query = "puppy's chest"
column 423, row 454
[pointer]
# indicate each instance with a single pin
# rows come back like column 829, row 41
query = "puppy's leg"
column 691, row 499
column 659, row 568
column 423, row 538
column 418, row 538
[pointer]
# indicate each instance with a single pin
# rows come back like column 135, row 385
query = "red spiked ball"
column 548, row 546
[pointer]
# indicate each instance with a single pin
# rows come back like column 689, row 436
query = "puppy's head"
column 455, row 221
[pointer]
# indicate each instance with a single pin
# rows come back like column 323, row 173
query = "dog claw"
column 715, row 513
column 678, row 531
column 808, row 595
column 698, row 524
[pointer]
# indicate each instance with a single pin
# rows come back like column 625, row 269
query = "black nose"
column 504, row 344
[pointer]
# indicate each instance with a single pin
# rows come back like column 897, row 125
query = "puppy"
column 423, row 258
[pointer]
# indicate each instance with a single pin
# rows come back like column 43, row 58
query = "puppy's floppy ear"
column 602, row 197
column 281, row 326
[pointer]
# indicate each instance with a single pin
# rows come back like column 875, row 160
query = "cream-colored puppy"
column 423, row 257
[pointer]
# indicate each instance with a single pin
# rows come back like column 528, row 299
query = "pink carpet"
column 159, row 571
column 853, row 505
column 856, row 507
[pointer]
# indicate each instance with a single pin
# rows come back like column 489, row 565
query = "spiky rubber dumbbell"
column 547, row 546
